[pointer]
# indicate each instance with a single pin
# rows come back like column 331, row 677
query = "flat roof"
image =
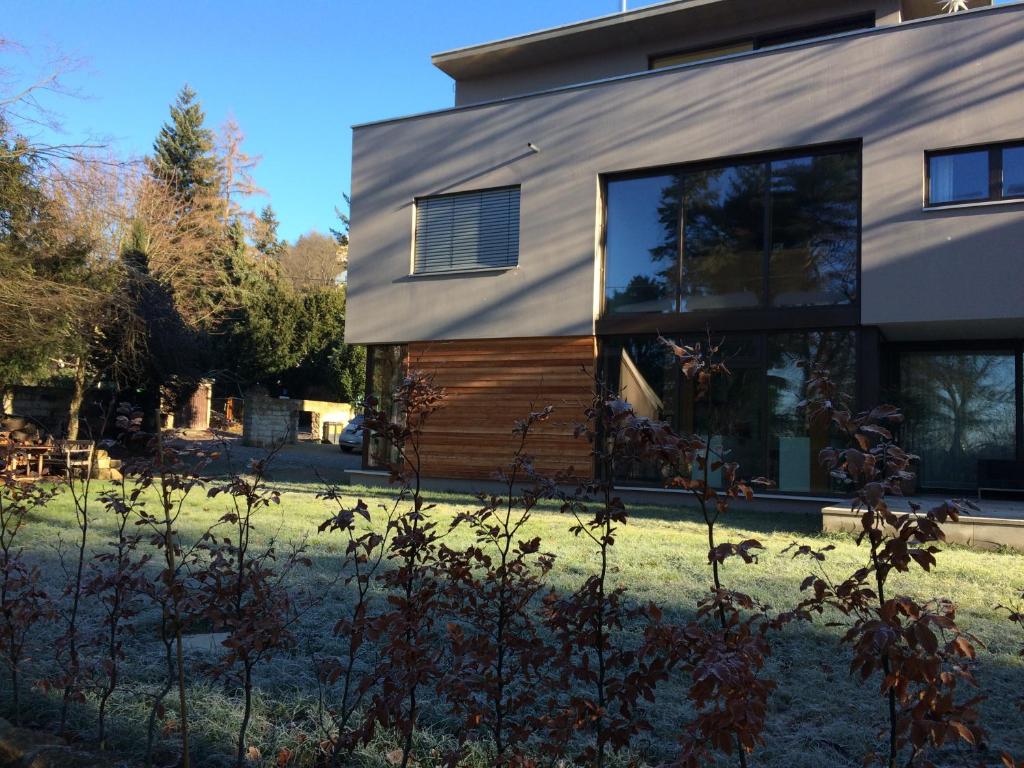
column 638, row 26
column 633, row 26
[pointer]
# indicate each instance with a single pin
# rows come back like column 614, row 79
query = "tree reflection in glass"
column 793, row 445
column 959, row 408
column 815, row 212
column 723, row 246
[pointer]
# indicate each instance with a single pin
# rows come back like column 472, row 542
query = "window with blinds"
column 468, row 230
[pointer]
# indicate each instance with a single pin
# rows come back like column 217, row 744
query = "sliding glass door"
column 755, row 416
column 961, row 408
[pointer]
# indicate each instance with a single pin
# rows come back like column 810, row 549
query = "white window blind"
column 469, row 230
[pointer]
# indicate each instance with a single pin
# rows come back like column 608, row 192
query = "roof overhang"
column 650, row 24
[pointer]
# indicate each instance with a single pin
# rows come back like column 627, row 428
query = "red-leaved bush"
column 408, row 633
column 117, row 580
column 24, row 604
column 599, row 676
column 498, row 653
column 916, row 648
column 723, row 650
column 349, row 674
column 242, row 587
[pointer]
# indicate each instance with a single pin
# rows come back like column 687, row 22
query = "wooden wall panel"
column 491, row 384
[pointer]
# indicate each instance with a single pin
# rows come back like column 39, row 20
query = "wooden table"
column 27, row 456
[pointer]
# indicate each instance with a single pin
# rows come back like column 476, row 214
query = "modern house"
column 838, row 181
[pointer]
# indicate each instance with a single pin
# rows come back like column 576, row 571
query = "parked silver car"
column 351, row 437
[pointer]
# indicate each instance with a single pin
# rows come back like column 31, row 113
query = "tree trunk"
column 77, row 396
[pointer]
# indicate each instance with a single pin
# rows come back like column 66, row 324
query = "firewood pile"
column 22, row 443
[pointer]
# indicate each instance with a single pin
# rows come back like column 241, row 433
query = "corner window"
column 467, row 231
column 976, row 174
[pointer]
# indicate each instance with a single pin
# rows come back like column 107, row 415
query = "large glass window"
column 387, row 364
column 755, row 418
column 778, row 232
column 793, row 444
column 642, row 268
column 723, row 232
column 959, row 408
column 815, row 224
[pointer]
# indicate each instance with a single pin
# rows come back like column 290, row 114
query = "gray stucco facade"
column 939, row 287
column 900, row 90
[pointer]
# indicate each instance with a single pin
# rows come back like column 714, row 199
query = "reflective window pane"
column 641, row 252
column 959, row 409
column 958, row 177
column 734, row 411
column 388, row 367
column 1013, row 172
column 793, row 445
column 815, row 216
column 723, row 259
column 648, row 379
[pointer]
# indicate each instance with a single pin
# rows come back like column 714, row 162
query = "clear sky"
column 295, row 73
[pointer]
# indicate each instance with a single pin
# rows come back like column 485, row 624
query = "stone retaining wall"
column 269, row 421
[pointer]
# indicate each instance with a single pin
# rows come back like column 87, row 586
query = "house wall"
column 489, row 387
column 902, row 90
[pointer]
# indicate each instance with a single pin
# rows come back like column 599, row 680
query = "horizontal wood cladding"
column 491, row 384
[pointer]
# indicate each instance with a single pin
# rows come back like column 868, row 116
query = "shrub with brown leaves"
column 24, row 604
column 599, row 678
column 917, row 649
column 498, row 654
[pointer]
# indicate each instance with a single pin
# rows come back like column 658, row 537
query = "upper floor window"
column 976, row 174
column 781, row 231
column 700, row 54
column 799, row 34
column 467, row 231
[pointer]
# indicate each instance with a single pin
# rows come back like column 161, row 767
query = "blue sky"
column 295, row 74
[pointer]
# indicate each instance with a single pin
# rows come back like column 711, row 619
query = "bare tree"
column 315, row 260
column 237, row 168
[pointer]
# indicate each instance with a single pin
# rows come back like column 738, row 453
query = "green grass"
column 819, row 715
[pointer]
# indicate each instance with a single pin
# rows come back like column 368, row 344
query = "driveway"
column 304, row 462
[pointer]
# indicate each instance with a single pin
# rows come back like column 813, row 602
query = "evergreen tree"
column 265, row 237
column 183, row 153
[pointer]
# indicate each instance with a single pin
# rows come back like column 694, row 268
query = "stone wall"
column 46, row 406
column 269, row 420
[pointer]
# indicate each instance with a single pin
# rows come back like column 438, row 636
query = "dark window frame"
column 995, row 173
column 785, row 36
column 764, row 316
column 417, row 203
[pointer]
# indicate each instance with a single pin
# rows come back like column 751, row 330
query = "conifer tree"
column 183, row 153
column 265, row 237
